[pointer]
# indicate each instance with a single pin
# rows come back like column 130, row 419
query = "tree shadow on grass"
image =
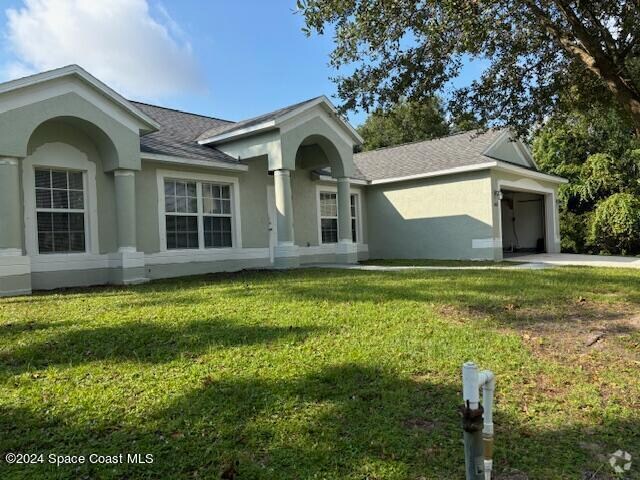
column 545, row 296
column 145, row 342
column 340, row 422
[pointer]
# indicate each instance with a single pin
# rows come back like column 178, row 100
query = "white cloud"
column 118, row 41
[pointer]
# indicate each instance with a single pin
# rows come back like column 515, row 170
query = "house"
column 96, row 189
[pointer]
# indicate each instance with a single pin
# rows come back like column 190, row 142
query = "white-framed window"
column 199, row 212
column 355, row 208
column 329, row 217
column 61, row 216
column 216, row 212
column 181, row 214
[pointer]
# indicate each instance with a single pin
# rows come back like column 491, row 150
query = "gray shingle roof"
column 458, row 150
column 178, row 134
column 250, row 122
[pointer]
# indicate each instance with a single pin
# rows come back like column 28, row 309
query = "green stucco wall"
column 432, row 218
column 253, row 203
column 120, row 146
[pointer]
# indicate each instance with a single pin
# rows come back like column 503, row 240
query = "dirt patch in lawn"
column 583, row 329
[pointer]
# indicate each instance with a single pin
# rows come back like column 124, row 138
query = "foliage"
column 536, row 51
column 615, row 227
column 311, row 374
column 596, row 150
column 404, row 122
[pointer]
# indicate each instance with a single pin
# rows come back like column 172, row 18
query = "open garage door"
column 523, row 222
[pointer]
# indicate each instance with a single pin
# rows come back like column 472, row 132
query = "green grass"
column 420, row 262
column 322, row 374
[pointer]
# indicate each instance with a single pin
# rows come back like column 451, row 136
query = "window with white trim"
column 181, row 214
column 60, row 211
column 216, row 211
column 329, row 217
column 197, row 212
column 354, row 217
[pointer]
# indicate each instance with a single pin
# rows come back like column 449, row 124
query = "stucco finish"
column 433, row 218
column 10, row 205
column 119, row 146
column 58, row 131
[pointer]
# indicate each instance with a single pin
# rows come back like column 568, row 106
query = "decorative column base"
column 285, row 256
column 15, row 273
column 346, row 252
column 127, row 268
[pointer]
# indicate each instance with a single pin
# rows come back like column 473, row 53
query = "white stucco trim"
column 155, row 157
column 203, row 177
column 493, row 165
column 68, row 262
column 486, row 243
column 329, row 248
column 205, row 255
column 524, row 172
column 334, row 189
column 14, row 264
column 438, row 173
column 60, row 155
column 329, row 178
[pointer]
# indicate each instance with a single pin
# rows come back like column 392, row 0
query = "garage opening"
column 523, row 222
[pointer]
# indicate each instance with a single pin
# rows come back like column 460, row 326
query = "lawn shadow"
column 341, row 421
column 510, row 297
column 145, row 342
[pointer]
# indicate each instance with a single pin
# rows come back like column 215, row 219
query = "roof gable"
column 144, row 123
column 511, row 150
column 273, row 120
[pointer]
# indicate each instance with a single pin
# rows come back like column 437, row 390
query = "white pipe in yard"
column 478, row 446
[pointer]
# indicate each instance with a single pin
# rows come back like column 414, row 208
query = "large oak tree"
column 538, row 50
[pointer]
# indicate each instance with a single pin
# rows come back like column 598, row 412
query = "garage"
column 523, row 222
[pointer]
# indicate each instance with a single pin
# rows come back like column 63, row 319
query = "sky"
column 224, row 58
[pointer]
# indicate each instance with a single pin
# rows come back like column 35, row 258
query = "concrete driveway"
column 572, row 259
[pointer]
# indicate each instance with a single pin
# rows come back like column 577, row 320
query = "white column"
column 10, row 201
column 286, row 252
column 130, row 263
column 284, row 206
column 126, row 209
column 15, row 267
column 346, row 250
column 344, row 210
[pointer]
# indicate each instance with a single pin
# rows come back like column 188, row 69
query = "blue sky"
column 225, row 58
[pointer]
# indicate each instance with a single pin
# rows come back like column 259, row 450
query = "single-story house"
column 97, row 189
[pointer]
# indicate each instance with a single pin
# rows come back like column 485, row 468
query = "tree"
column 537, row 50
column 595, row 150
column 615, row 226
column 404, row 122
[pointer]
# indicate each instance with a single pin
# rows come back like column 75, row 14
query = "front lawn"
column 315, row 374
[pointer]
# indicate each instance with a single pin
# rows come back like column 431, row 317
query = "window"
column 181, row 214
column 195, row 211
column 329, row 217
column 60, row 211
column 216, row 206
column 354, row 218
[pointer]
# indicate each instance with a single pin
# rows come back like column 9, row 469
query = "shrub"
column 573, row 231
column 615, row 225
